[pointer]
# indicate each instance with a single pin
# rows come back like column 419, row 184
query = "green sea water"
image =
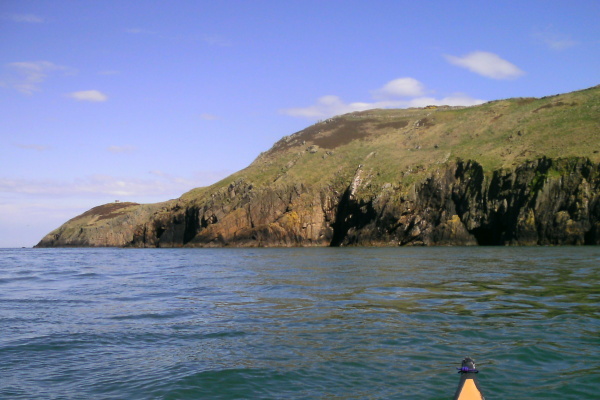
column 326, row 323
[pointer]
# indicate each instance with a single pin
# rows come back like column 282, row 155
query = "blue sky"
column 144, row 100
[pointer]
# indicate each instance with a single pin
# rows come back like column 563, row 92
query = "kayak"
column 468, row 387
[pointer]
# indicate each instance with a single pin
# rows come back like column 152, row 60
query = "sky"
column 144, row 100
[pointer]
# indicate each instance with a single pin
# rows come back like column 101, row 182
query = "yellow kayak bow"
column 468, row 387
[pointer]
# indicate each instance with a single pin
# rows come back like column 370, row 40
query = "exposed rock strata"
column 541, row 202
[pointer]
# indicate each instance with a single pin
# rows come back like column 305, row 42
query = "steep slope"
column 519, row 171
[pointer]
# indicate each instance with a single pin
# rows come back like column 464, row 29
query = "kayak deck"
column 468, row 387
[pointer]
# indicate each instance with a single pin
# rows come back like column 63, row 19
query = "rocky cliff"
column 539, row 202
column 511, row 172
column 108, row 225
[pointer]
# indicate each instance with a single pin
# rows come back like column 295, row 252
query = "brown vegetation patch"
column 346, row 132
column 557, row 104
column 329, row 134
column 393, row 125
column 300, row 138
column 107, row 211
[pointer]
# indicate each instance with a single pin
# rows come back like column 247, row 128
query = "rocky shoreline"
column 541, row 202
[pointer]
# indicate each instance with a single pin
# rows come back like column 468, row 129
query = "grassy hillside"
column 401, row 146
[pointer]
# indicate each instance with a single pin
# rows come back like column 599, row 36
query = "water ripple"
column 298, row 323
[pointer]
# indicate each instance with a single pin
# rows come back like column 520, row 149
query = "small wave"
column 19, row 279
column 226, row 334
column 243, row 383
column 87, row 275
column 151, row 316
column 42, row 300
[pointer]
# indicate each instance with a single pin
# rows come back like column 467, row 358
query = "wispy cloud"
column 486, row 64
column 198, row 178
column 88, row 95
column 209, row 39
column 209, row 117
column 109, row 72
column 216, row 40
column 27, row 18
column 171, row 178
column 29, row 75
column 398, row 93
column 96, row 185
column 139, row 31
column 121, row 149
column 157, row 184
column 553, row 39
column 37, row 147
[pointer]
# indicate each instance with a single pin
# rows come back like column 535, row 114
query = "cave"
column 488, row 236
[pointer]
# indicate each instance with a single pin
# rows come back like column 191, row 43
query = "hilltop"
column 516, row 171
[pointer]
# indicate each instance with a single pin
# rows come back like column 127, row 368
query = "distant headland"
column 522, row 171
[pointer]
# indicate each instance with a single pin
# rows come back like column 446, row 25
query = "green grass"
column 402, row 146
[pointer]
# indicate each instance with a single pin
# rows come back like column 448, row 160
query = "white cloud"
column 89, row 95
column 329, row 106
column 457, row 99
column 326, row 106
column 31, row 74
column 554, row 40
column 121, row 149
column 394, row 94
column 486, row 64
column 401, row 87
column 28, row 18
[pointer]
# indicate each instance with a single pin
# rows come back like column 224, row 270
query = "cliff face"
column 538, row 203
column 510, row 172
column 242, row 215
column 541, row 202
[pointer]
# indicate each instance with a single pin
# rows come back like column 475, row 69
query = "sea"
column 299, row 323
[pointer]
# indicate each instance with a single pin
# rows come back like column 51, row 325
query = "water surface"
column 335, row 323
